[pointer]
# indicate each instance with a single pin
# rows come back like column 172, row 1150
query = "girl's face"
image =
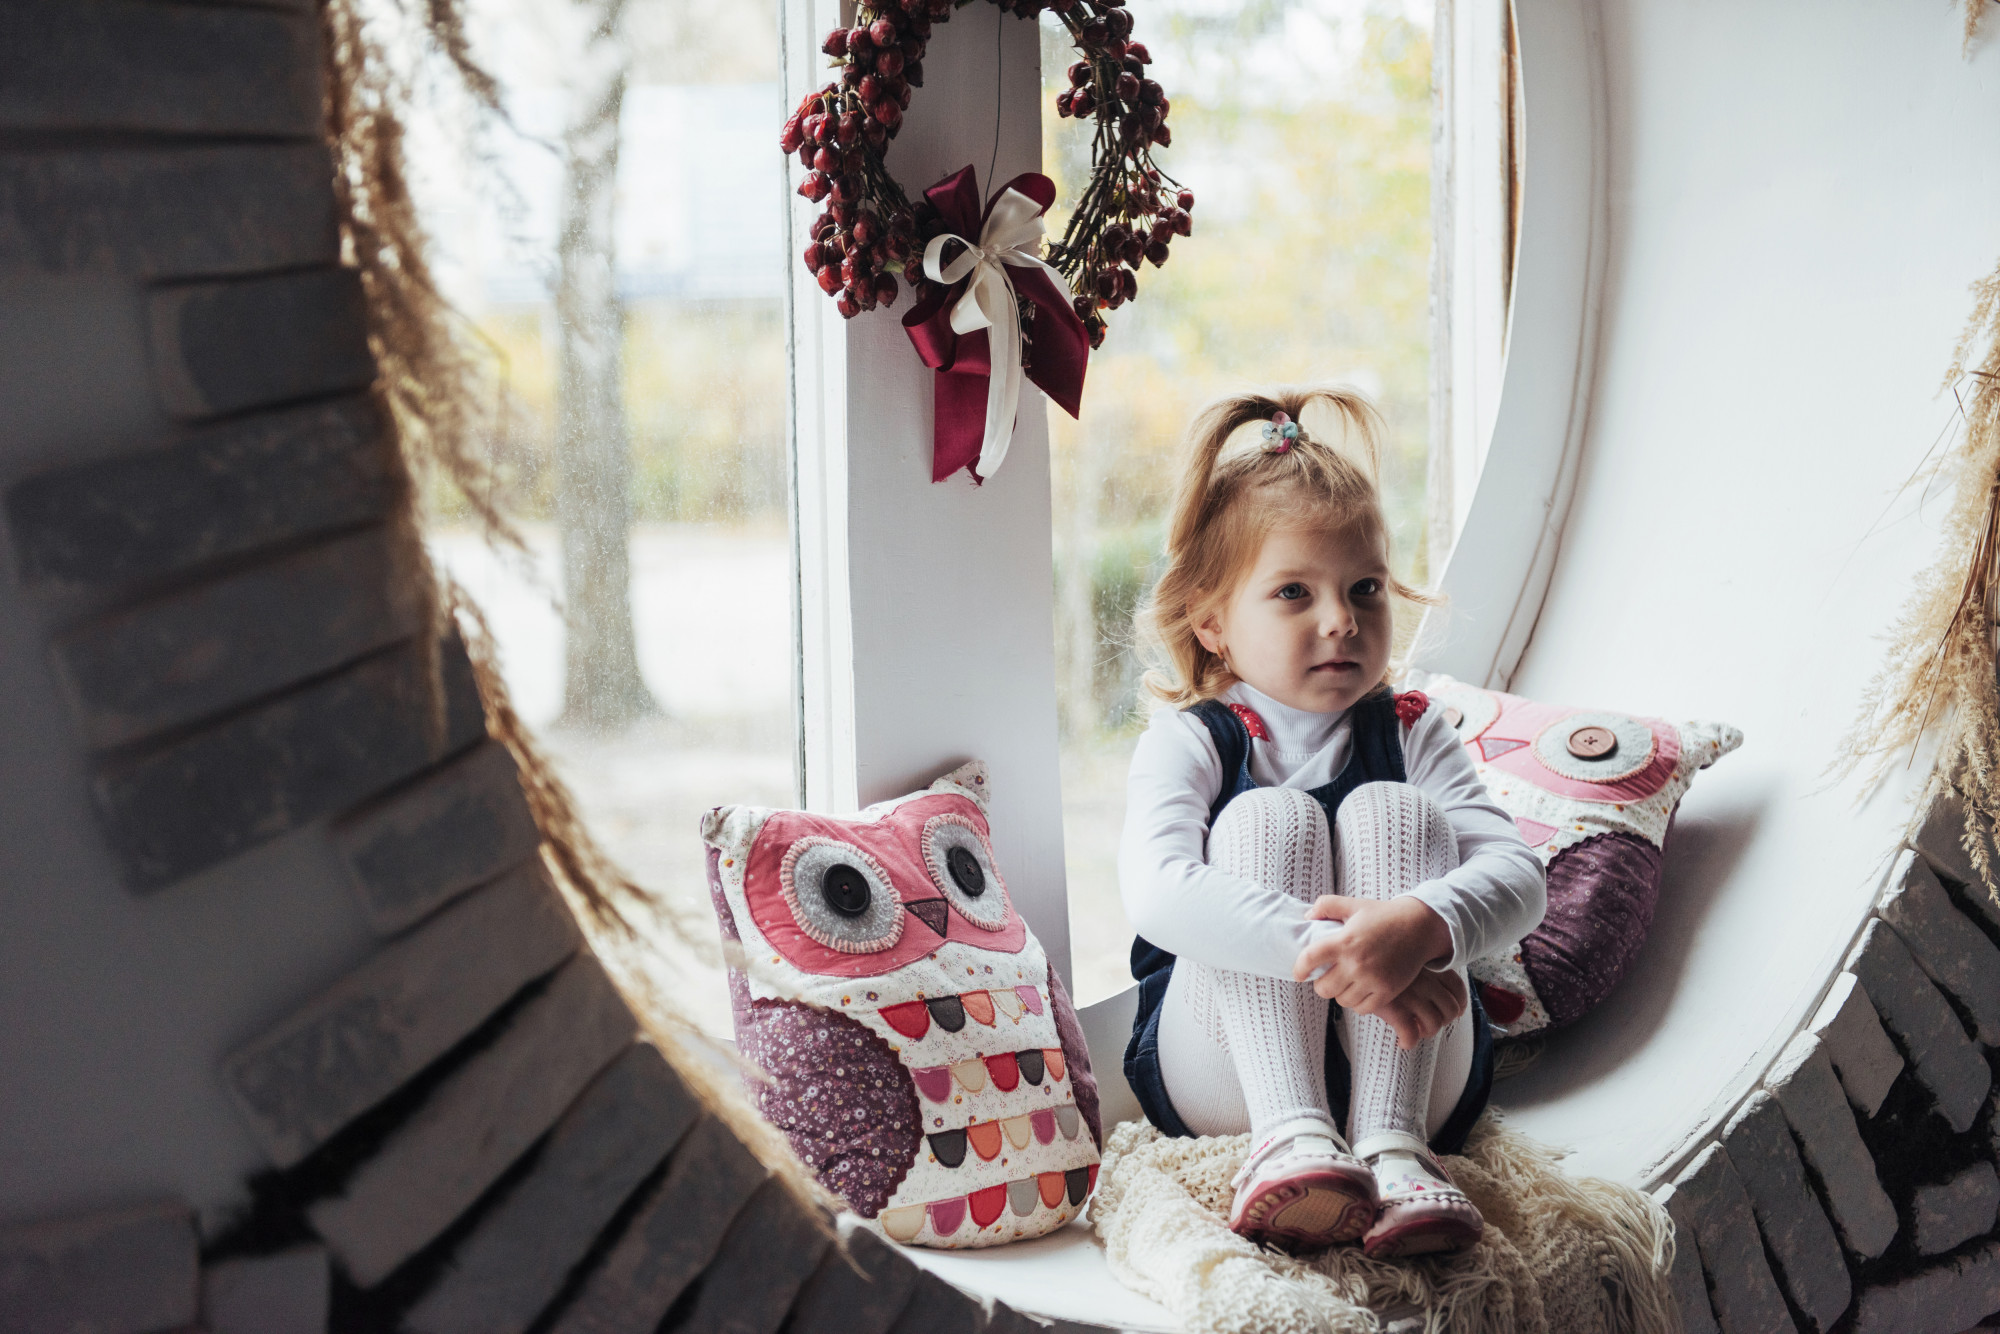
column 1309, row 625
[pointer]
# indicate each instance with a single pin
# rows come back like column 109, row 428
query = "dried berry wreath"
column 870, row 231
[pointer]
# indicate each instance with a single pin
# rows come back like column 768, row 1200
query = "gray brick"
column 206, row 650
column 507, row 1271
column 1803, row 1081
column 1943, row 1299
column 419, row 847
column 1945, row 1058
column 167, row 212
column 936, row 1307
column 1690, row 1286
column 475, row 1124
column 860, row 1287
column 1955, row 953
column 1810, row 1267
column 1955, row 1211
column 769, row 1252
column 222, row 491
column 179, row 69
column 179, row 807
column 1940, row 837
column 671, row 1237
column 1852, row 1035
column 362, row 1038
column 126, row 1271
column 222, row 347
column 1746, row 1297
column 286, row 1293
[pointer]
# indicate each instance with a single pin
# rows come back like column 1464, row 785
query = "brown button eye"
column 1592, row 743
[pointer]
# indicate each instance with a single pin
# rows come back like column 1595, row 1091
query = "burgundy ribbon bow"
column 964, row 393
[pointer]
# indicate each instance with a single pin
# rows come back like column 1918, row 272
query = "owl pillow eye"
column 840, row 896
column 961, row 864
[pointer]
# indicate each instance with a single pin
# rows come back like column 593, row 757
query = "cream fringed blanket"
column 1561, row 1255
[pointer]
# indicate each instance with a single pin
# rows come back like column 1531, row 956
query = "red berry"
column 849, row 128
column 1133, row 251
column 1079, row 74
column 826, row 160
column 1097, row 332
column 1121, row 23
column 885, row 289
column 822, row 129
column 874, row 133
column 847, row 189
column 815, row 256
column 829, row 279
column 883, row 32
column 1150, row 92
column 859, row 43
column 1150, row 117
column 871, row 90
column 889, row 63
column 1096, row 33
column 1084, row 307
column 903, row 95
column 814, row 187
column 847, row 306
column 1185, row 199
column 1156, row 251
column 1163, row 135
column 1137, row 51
column 835, row 44
column 840, row 213
column 1128, row 88
column 852, row 268
column 1162, row 232
column 791, row 137
column 1130, row 282
column 822, row 226
column 1082, row 103
column 1062, row 103
column 888, row 113
column 914, row 73
column 1105, row 284
column 865, row 228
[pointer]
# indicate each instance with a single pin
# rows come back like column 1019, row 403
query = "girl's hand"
column 1383, row 947
column 1425, row 1007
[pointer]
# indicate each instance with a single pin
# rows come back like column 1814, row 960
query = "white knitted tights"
column 1242, row 1052
column 1391, row 837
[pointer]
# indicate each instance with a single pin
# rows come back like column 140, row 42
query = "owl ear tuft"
column 967, row 780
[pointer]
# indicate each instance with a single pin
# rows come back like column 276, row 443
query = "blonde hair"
column 1228, row 501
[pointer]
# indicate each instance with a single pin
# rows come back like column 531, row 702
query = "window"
column 619, row 250
column 1305, row 130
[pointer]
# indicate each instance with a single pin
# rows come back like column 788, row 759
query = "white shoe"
column 1301, row 1189
column 1421, row 1210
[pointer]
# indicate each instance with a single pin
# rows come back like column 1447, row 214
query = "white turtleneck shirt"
column 1176, row 900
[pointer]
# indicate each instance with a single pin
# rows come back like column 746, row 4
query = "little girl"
column 1296, row 834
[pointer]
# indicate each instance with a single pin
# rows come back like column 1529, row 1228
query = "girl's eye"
column 1292, row 592
column 1368, row 588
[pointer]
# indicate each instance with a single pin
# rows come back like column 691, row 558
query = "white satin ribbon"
column 1012, row 235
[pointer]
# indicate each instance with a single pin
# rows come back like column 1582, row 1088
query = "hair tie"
column 1279, row 433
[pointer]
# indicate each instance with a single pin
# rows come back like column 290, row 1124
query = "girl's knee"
column 1263, row 810
column 1391, row 837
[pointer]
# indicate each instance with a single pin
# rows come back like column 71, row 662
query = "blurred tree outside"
column 602, row 688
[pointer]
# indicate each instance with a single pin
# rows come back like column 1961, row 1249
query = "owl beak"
column 933, row 913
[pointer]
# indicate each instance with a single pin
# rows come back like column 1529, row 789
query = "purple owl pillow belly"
column 923, row 1058
column 1594, row 794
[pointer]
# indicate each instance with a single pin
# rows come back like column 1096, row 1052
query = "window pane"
column 619, row 249
column 1304, row 129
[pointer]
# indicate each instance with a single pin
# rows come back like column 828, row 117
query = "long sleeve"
column 1498, row 893
column 1172, row 896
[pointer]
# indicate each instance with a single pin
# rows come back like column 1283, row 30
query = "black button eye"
column 965, row 870
column 845, row 890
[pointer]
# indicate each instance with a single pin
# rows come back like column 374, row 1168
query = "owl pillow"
column 1594, row 793
column 922, row 1057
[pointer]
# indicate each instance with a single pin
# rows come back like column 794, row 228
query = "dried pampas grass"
column 1941, row 660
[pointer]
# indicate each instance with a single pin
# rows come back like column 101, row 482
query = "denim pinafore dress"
column 1376, row 757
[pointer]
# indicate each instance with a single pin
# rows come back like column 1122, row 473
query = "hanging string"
column 999, row 53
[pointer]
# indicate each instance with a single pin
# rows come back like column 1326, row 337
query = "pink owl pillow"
column 923, row 1058
column 1594, row 793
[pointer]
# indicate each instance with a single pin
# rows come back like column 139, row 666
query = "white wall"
column 1798, row 197
column 927, row 609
